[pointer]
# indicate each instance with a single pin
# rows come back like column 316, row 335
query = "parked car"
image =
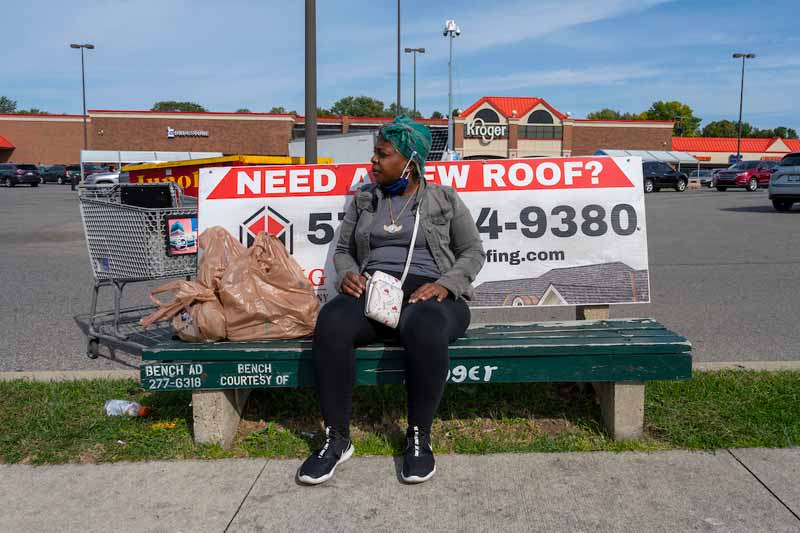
column 704, row 175
column 55, row 174
column 101, row 178
column 74, row 171
column 784, row 184
column 658, row 175
column 748, row 175
column 12, row 174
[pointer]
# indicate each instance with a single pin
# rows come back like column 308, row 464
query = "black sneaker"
column 320, row 466
column 418, row 462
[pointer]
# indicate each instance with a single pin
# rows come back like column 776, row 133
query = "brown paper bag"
column 218, row 249
column 266, row 296
column 198, row 315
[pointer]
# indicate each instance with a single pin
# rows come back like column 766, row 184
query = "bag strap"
column 411, row 247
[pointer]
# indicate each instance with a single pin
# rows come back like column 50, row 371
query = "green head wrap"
column 407, row 137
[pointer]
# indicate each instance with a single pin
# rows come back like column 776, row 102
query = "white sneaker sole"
column 308, row 480
column 418, row 479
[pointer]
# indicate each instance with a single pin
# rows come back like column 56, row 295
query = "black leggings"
column 425, row 329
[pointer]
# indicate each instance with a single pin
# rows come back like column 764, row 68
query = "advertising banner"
column 556, row 231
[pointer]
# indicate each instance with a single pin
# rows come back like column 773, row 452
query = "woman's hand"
column 428, row 291
column 354, row 284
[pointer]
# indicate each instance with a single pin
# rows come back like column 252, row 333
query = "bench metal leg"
column 217, row 414
column 622, row 407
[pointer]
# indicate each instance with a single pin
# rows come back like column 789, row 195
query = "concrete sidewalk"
column 736, row 490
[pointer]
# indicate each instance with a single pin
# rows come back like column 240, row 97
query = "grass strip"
column 46, row 423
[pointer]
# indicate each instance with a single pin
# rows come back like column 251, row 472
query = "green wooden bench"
column 616, row 356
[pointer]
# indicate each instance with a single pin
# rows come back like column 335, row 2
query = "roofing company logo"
column 269, row 220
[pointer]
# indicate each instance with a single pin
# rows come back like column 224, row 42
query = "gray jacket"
column 449, row 229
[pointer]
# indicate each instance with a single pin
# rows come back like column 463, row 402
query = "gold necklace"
column 394, row 227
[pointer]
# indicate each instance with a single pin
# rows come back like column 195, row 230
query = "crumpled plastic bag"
column 218, row 249
column 266, row 296
column 197, row 314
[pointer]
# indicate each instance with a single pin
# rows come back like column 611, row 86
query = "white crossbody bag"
column 384, row 299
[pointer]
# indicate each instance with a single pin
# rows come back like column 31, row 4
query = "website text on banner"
column 557, row 231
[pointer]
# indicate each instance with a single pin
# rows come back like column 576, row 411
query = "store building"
column 721, row 151
column 492, row 127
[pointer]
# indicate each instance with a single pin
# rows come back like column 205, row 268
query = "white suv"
column 784, row 184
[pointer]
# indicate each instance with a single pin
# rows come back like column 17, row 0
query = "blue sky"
column 580, row 55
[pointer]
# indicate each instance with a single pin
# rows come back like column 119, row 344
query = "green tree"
column 322, row 112
column 391, row 111
column 172, row 105
column 786, row 133
column 436, row 114
column 686, row 124
column 605, row 114
column 32, row 111
column 243, row 110
column 359, row 106
column 278, row 109
column 720, row 128
column 7, row 105
column 613, row 114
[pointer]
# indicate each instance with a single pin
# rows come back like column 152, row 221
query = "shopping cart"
column 129, row 241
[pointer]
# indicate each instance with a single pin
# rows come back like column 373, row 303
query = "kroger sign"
column 477, row 128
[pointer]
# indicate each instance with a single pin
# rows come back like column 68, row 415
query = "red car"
column 748, row 175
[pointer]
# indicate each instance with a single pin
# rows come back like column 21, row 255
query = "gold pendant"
column 392, row 228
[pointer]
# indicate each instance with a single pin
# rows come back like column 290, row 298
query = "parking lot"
column 724, row 273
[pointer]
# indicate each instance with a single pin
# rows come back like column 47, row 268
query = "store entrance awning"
column 652, row 155
column 5, row 144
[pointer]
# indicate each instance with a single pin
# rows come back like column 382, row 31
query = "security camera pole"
column 451, row 29
column 414, row 51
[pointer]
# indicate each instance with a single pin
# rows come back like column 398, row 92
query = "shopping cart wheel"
column 93, row 349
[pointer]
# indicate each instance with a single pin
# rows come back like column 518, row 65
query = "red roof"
column 5, row 144
column 507, row 104
column 728, row 144
column 150, row 111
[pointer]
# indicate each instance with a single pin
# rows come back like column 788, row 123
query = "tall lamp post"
column 397, row 111
column 86, row 46
column 311, row 83
column 451, row 30
column 415, row 51
column 83, row 86
column 741, row 97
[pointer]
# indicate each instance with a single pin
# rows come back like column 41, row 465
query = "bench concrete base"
column 217, row 414
column 622, row 408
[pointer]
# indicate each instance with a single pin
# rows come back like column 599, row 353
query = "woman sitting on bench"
column 375, row 236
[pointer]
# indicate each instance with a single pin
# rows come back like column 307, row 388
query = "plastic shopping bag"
column 266, row 296
column 218, row 249
column 197, row 315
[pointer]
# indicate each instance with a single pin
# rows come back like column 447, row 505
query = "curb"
column 768, row 366
column 70, row 375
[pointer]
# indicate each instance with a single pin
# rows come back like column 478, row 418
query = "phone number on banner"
column 592, row 220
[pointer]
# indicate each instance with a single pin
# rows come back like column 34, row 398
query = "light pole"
column 741, row 97
column 311, row 82
column 397, row 111
column 83, row 86
column 415, row 51
column 452, row 30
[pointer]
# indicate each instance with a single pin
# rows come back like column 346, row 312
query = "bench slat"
column 502, row 346
column 299, row 373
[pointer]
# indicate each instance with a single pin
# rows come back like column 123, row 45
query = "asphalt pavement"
column 737, row 490
column 724, row 271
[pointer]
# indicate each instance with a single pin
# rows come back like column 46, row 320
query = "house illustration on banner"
column 603, row 283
